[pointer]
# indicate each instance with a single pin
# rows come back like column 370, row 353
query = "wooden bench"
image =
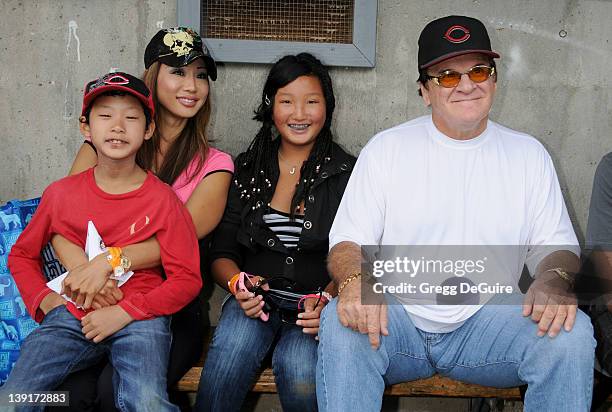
column 436, row 386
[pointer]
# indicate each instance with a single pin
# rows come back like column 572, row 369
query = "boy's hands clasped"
column 102, row 323
column 89, row 286
column 97, row 325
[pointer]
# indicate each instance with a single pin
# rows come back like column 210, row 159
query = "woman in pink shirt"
column 178, row 69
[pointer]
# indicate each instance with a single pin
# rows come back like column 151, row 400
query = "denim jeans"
column 497, row 347
column 236, row 352
column 138, row 352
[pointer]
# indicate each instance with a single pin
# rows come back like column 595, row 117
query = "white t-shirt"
column 413, row 185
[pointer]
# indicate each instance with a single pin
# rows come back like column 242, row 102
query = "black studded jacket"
column 247, row 240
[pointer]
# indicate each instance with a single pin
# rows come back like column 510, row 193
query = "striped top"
column 288, row 231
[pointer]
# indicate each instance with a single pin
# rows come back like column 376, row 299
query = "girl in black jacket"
column 281, row 205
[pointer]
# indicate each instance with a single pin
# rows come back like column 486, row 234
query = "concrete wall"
column 554, row 81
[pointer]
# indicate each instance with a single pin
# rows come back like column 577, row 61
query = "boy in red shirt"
column 127, row 205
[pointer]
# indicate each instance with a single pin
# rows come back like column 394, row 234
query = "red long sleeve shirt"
column 151, row 210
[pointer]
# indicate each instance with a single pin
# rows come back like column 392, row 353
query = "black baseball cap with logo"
column 118, row 81
column 177, row 47
column 453, row 36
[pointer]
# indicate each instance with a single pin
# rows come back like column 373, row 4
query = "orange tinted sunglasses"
column 451, row 78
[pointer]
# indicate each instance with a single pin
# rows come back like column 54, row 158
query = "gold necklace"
column 292, row 167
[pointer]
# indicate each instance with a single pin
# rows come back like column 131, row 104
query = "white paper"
column 93, row 247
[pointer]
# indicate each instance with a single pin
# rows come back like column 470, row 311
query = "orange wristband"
column 231, row 284
column 114, row 257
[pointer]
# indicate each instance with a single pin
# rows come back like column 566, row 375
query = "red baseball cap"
column 119, row 81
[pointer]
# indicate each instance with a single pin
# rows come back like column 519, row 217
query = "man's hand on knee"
column 551, row 304
column 366, row 319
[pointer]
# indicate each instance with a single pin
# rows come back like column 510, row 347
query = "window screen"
column 310, row 21
column 339, row 32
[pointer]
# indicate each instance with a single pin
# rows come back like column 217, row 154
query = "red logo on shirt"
column 139, row 224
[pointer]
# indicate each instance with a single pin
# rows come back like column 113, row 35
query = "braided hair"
column 255, row 166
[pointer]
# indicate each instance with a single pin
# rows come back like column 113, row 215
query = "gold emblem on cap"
column 180, row 42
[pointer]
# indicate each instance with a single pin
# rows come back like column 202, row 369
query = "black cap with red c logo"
column 452, row 36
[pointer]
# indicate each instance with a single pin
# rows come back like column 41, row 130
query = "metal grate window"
column 310, row 21
column 339, row 32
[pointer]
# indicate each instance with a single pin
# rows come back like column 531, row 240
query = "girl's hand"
column 251, row 305
column 310, row 318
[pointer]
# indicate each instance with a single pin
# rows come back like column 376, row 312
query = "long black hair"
column 255, row 166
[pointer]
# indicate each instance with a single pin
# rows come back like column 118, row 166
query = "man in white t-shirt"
column 456, row 178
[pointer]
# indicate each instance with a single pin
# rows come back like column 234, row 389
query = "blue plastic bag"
column 15, row 323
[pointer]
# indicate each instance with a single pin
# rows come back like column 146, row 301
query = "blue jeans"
column 496, row 347
column 138, row 352
column 236, row 352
